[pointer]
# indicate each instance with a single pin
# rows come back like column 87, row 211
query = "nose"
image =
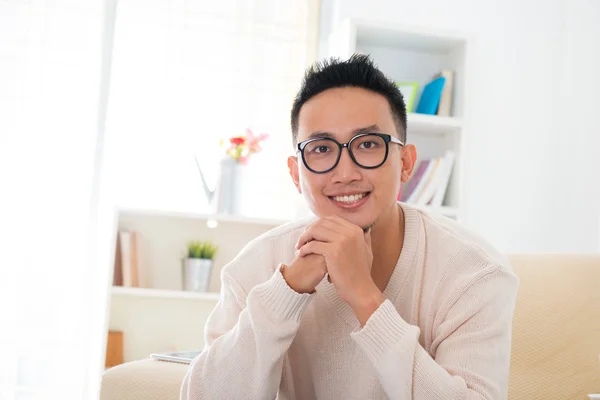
column 346, row 171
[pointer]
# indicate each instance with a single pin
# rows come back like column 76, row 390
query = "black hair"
column 358, row 71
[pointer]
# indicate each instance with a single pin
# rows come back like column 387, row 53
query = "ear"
column 409, row 158
column 292, row 163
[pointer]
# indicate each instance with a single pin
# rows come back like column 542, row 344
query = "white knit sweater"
column 443, row 332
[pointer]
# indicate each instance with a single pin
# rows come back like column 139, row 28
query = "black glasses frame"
column 386, row 138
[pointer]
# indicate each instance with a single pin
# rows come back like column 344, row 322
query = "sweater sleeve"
column 473, row 346
column 246, row 339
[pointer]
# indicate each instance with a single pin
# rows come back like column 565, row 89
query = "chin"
column 364, row 216
column 364, row 223
column 362, row 219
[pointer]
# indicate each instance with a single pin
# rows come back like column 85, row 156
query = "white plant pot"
column 196, row 274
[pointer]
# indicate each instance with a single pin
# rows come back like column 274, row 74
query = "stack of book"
column 428, row 185
column 126, row 272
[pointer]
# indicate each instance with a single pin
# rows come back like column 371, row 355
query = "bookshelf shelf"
column 432, row 125
column 392, row 34
column 164, row 294
column 237, row 219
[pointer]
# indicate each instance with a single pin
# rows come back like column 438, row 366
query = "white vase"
column 237, row 188
column 196, row 274
column 226, row 190
column 254, row 184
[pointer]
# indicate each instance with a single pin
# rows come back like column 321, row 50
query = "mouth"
column 353, row 200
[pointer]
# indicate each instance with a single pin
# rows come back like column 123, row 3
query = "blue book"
column 430, row 98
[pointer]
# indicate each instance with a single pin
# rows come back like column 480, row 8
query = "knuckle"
column 337, row 250
column 349, row 240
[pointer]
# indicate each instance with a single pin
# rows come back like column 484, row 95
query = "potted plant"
column 197, row 266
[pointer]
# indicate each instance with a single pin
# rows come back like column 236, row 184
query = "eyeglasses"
column 367, row 150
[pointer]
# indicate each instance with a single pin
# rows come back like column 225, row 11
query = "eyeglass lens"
column 322, row 154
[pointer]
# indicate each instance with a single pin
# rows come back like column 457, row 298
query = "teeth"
column 349, row 199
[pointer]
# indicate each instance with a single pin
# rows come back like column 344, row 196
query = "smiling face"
column 362, row 196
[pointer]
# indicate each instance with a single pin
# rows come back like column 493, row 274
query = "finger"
column 316, row 232
column 346, row 225
column 368, row 238
column 339, row 221
column 332, row 225
column 314, row 247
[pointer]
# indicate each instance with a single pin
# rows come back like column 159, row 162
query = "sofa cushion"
column 556, row 328
column 146, row 379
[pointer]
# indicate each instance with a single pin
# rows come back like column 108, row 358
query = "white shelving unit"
column 164, row 294
column 413, row 54
column 175, row 317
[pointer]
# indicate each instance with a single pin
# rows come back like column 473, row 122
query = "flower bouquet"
column 239, row 148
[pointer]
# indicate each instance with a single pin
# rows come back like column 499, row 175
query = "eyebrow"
column 366, row 129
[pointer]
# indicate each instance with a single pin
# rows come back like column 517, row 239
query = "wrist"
column 288, row 276
column 367, row 303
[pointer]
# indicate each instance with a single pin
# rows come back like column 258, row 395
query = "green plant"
column 198, row 249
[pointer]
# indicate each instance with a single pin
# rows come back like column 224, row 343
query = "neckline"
column 398, row 277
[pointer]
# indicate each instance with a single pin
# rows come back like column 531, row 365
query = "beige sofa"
column 556, row 337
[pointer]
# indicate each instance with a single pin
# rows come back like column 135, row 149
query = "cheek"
column 387, row 180
column 311, row 184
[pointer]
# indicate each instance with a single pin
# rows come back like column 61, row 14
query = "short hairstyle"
column 358, row 71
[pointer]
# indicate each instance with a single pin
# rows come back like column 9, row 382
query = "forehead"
column 341, row 111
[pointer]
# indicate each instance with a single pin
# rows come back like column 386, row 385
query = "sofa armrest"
column 146, row 379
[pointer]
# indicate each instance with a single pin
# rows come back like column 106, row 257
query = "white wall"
column 534, row 107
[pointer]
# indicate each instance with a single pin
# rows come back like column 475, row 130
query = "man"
column 371, row 299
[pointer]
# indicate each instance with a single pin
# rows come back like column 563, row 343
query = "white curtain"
column 54, row 223
column 187, row 73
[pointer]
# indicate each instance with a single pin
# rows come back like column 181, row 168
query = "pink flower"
column 254, row 141
column 241, row 147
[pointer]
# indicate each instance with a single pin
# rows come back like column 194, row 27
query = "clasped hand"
column 346, row 250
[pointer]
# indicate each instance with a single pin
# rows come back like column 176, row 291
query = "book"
column 431, row 183
column 430, row 98
column 445, row 105
column 129, row 258
column 114, row 349
column 118, row 268
column 424, row 179
column 444, row 179
column 414, row 180
column 183, row 357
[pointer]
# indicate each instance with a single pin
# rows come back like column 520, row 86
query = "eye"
column 320, row 149
column 368, row 145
